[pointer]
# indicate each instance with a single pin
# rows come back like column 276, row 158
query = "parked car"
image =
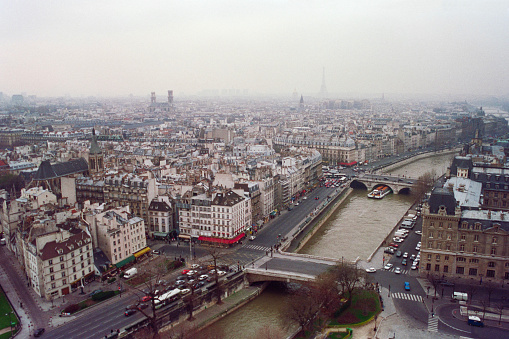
column 185, row 291
column 146, row 298
column 407, row 286
column 371, row 270
column 418, row 232
column 180, row 282
column 195, row 266
column 38, row 332
column 142, row 306
column 405, row 255
column 129, row 312
column 388, row 266
column 203, row 277
column 131, row 307
column 446, row 283
column 221, row 273
column 475, row 321
column 185, row 271
column 191, row 272
column 398, row 254
column 397, row 270
column 414, row 267
column 404, row 262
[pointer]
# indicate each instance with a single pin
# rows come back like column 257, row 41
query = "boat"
column 379, row 192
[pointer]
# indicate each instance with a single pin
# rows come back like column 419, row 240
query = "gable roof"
column 48, row 171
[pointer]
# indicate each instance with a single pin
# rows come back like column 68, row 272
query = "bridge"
column 288, row 267
column 397, row 184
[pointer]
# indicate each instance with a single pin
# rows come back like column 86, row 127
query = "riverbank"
column 404, row 162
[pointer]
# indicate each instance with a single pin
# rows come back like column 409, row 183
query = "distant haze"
column 109, row 48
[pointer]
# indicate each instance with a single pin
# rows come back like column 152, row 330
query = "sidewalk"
column 209, row 314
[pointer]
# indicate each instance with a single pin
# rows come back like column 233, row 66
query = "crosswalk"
column 406, row 296
column 402, row 271
column 258, row 248
column 432, row 323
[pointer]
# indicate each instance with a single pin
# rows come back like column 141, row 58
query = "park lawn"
column 5, row 308
column 365, row 304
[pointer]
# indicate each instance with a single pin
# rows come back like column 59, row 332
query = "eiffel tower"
column 323, row 89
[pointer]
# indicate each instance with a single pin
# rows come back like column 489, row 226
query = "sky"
column 118, row 48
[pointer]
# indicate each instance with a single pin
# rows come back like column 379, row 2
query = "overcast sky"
column 53, row 48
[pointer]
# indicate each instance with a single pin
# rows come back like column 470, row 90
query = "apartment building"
column 57, row 261
column 120, row 235
column 161, row 217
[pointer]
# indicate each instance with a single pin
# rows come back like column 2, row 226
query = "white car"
column 414, row 267
column 405, row 255
column 397, row 270
column 398, row 239
column 195, row 266
column 221, row 273
column 185, row 291
column 388, row 266
column 305, row 198
column 191, row 272
column 371, row 270
column 203, row 277
column 418, row 232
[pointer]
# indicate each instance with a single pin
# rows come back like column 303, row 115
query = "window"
column 491, row 264
column 429, row 256
column 62, row 266
column 446, row 257
column 474, row 261
column 64, row 281
column 472, row 271
column 63, row 274
column 446, row 269
column 431, row 234
column 438, row 257
column 474, row 249
column 494, row 240
column 52, row 277
column 428, row 266
column 463, row 237
column 460, row 270
column 449, row 225
column 51, row 262
column 51, row 270
column 476, row 237
column 61, row 258
column 437, row 268
column 53, row 285
column 460, row 259
column 493, row 251
column 490, row 273
column 462, row 247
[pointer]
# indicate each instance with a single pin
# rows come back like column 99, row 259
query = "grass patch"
column 5, row 308
column 6, row 335
column 365, row 304
column 337, row 335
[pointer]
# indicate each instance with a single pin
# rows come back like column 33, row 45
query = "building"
column 128, row 189
column 95, row 157
column 470, row 244
column 56, row 262
column 161, row 217
column 119, row 234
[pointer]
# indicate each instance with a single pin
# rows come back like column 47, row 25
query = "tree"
column 490, row 288
column 472, row 290
column 500, row 310
column 216, row 254
column 348, row 276
column 424, row 184
column 302, row 307
column 435, row 282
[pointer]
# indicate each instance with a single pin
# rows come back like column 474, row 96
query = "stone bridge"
column 397, row 184
column 288, row 267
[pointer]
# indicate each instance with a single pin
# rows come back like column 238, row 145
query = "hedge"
column 103, row 295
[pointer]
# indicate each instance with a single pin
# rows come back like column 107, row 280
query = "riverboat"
column 380, row 192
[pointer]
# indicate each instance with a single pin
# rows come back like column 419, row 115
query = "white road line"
column 432, row 324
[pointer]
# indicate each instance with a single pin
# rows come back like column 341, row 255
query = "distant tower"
column 95, row 156
column 323, row 89
column 153, row 97
column 301, row 103
column 170, row 97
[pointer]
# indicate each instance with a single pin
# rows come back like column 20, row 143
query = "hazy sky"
column 52, row 48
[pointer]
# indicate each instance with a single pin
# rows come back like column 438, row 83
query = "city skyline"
column 270, row 47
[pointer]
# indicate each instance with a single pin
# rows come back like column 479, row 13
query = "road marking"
column 258, row 248
column 407, row 296
column 432, row 324
column 402, row 271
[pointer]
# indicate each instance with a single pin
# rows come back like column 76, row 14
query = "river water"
column 353, row 231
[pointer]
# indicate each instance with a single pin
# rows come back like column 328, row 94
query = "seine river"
column 354, row 231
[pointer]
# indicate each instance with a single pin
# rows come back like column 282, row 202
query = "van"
column 460, row 296
column 475, row 321
column 130, row 273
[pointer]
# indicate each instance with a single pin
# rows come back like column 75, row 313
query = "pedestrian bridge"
column 288, row 267
column 398, row 184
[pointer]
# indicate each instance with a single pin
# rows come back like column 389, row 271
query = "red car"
column 146, row 298
column 393, row 245
column 185, row 271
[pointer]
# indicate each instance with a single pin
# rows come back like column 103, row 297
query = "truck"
column 130, row 273
column 460, row 296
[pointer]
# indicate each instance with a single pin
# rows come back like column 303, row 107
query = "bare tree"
column 216, row 254
column 189, row 300
column 435, row 282
column 302, row 307
column 349, row 277
column 490, row 288
column 484, row 304
column 472, row 290
column 500, row 310
column 424, row 184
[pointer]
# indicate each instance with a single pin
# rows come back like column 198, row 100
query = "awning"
column 184, row 236
column 125, row 261
column 222, row 240
column 161, row 234
column 142, row 252
column 348, row 163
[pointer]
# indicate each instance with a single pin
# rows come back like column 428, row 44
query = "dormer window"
column 60, row 251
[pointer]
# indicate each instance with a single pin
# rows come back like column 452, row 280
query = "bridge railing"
column 280, row 274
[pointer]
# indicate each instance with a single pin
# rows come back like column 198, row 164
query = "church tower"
column 95, row 156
